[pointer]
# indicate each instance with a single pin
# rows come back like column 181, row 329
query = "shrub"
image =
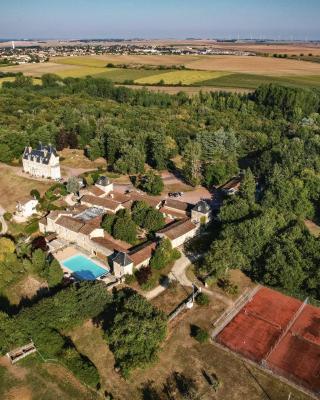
column 129, row 279
column 143, row 275
column 7, row 216
column 228, row 286
column 35, row 193
column 151, row 283
column 199, row 334
column 202, row 299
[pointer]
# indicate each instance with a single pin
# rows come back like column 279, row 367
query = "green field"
column 248, row 81
column 183, row 77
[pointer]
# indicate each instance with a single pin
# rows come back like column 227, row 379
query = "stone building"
column 42, row 162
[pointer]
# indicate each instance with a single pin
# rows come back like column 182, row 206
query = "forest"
column 271, row 136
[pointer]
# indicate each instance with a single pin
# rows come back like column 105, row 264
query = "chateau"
column 41, row 162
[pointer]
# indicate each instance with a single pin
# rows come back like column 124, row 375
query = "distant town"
column 12, row 54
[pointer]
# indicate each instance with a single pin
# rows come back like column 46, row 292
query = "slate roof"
column 202, row 207
column 41, row 154
column 122, row 259
column 103, row 181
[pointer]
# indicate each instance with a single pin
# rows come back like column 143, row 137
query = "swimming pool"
column 84, row 268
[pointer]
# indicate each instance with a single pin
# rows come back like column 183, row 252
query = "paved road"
column 3, row 222
column 179, row 273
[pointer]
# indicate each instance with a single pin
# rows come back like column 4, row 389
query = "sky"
column 74, row 19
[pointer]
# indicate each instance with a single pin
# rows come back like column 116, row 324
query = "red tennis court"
column 280, row 331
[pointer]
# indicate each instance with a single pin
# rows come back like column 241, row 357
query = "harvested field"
column 256, row 65
column 240, row 64
column 280, row 331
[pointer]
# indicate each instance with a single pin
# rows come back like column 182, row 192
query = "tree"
column 135, row 332
column 124, row 228
column 6, row 247
column 5, row 153
column 152, row 183
column 154, row 220
column 139, row 211
column 35, row 193
column 55, row 274
column 192, row 163
column 164, row 255
column 73, row 185
column 248, row 187
column 108, row 222
column 131, row 160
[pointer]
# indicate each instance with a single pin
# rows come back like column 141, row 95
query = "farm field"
column 182, row 77
column 229, row 72
column 241, row 64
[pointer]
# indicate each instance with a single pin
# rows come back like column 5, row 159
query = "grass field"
column 13, row 187
column 183, row 354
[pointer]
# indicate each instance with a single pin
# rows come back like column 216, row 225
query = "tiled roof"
column 96, row 191
column 151, row 201
column 87, row 229
column 178, row 229
column 142, row 253
column 234, row 183
column 173, row 213
column 177, row 205
column 118, row 197
column 70, row 223
column 100, row 202
column 110, row 243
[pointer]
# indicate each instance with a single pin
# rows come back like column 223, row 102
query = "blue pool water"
column 84, row 268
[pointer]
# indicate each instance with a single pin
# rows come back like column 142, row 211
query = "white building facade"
column 42, row 162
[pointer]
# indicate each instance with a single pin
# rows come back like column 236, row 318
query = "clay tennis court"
column 279, row 332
